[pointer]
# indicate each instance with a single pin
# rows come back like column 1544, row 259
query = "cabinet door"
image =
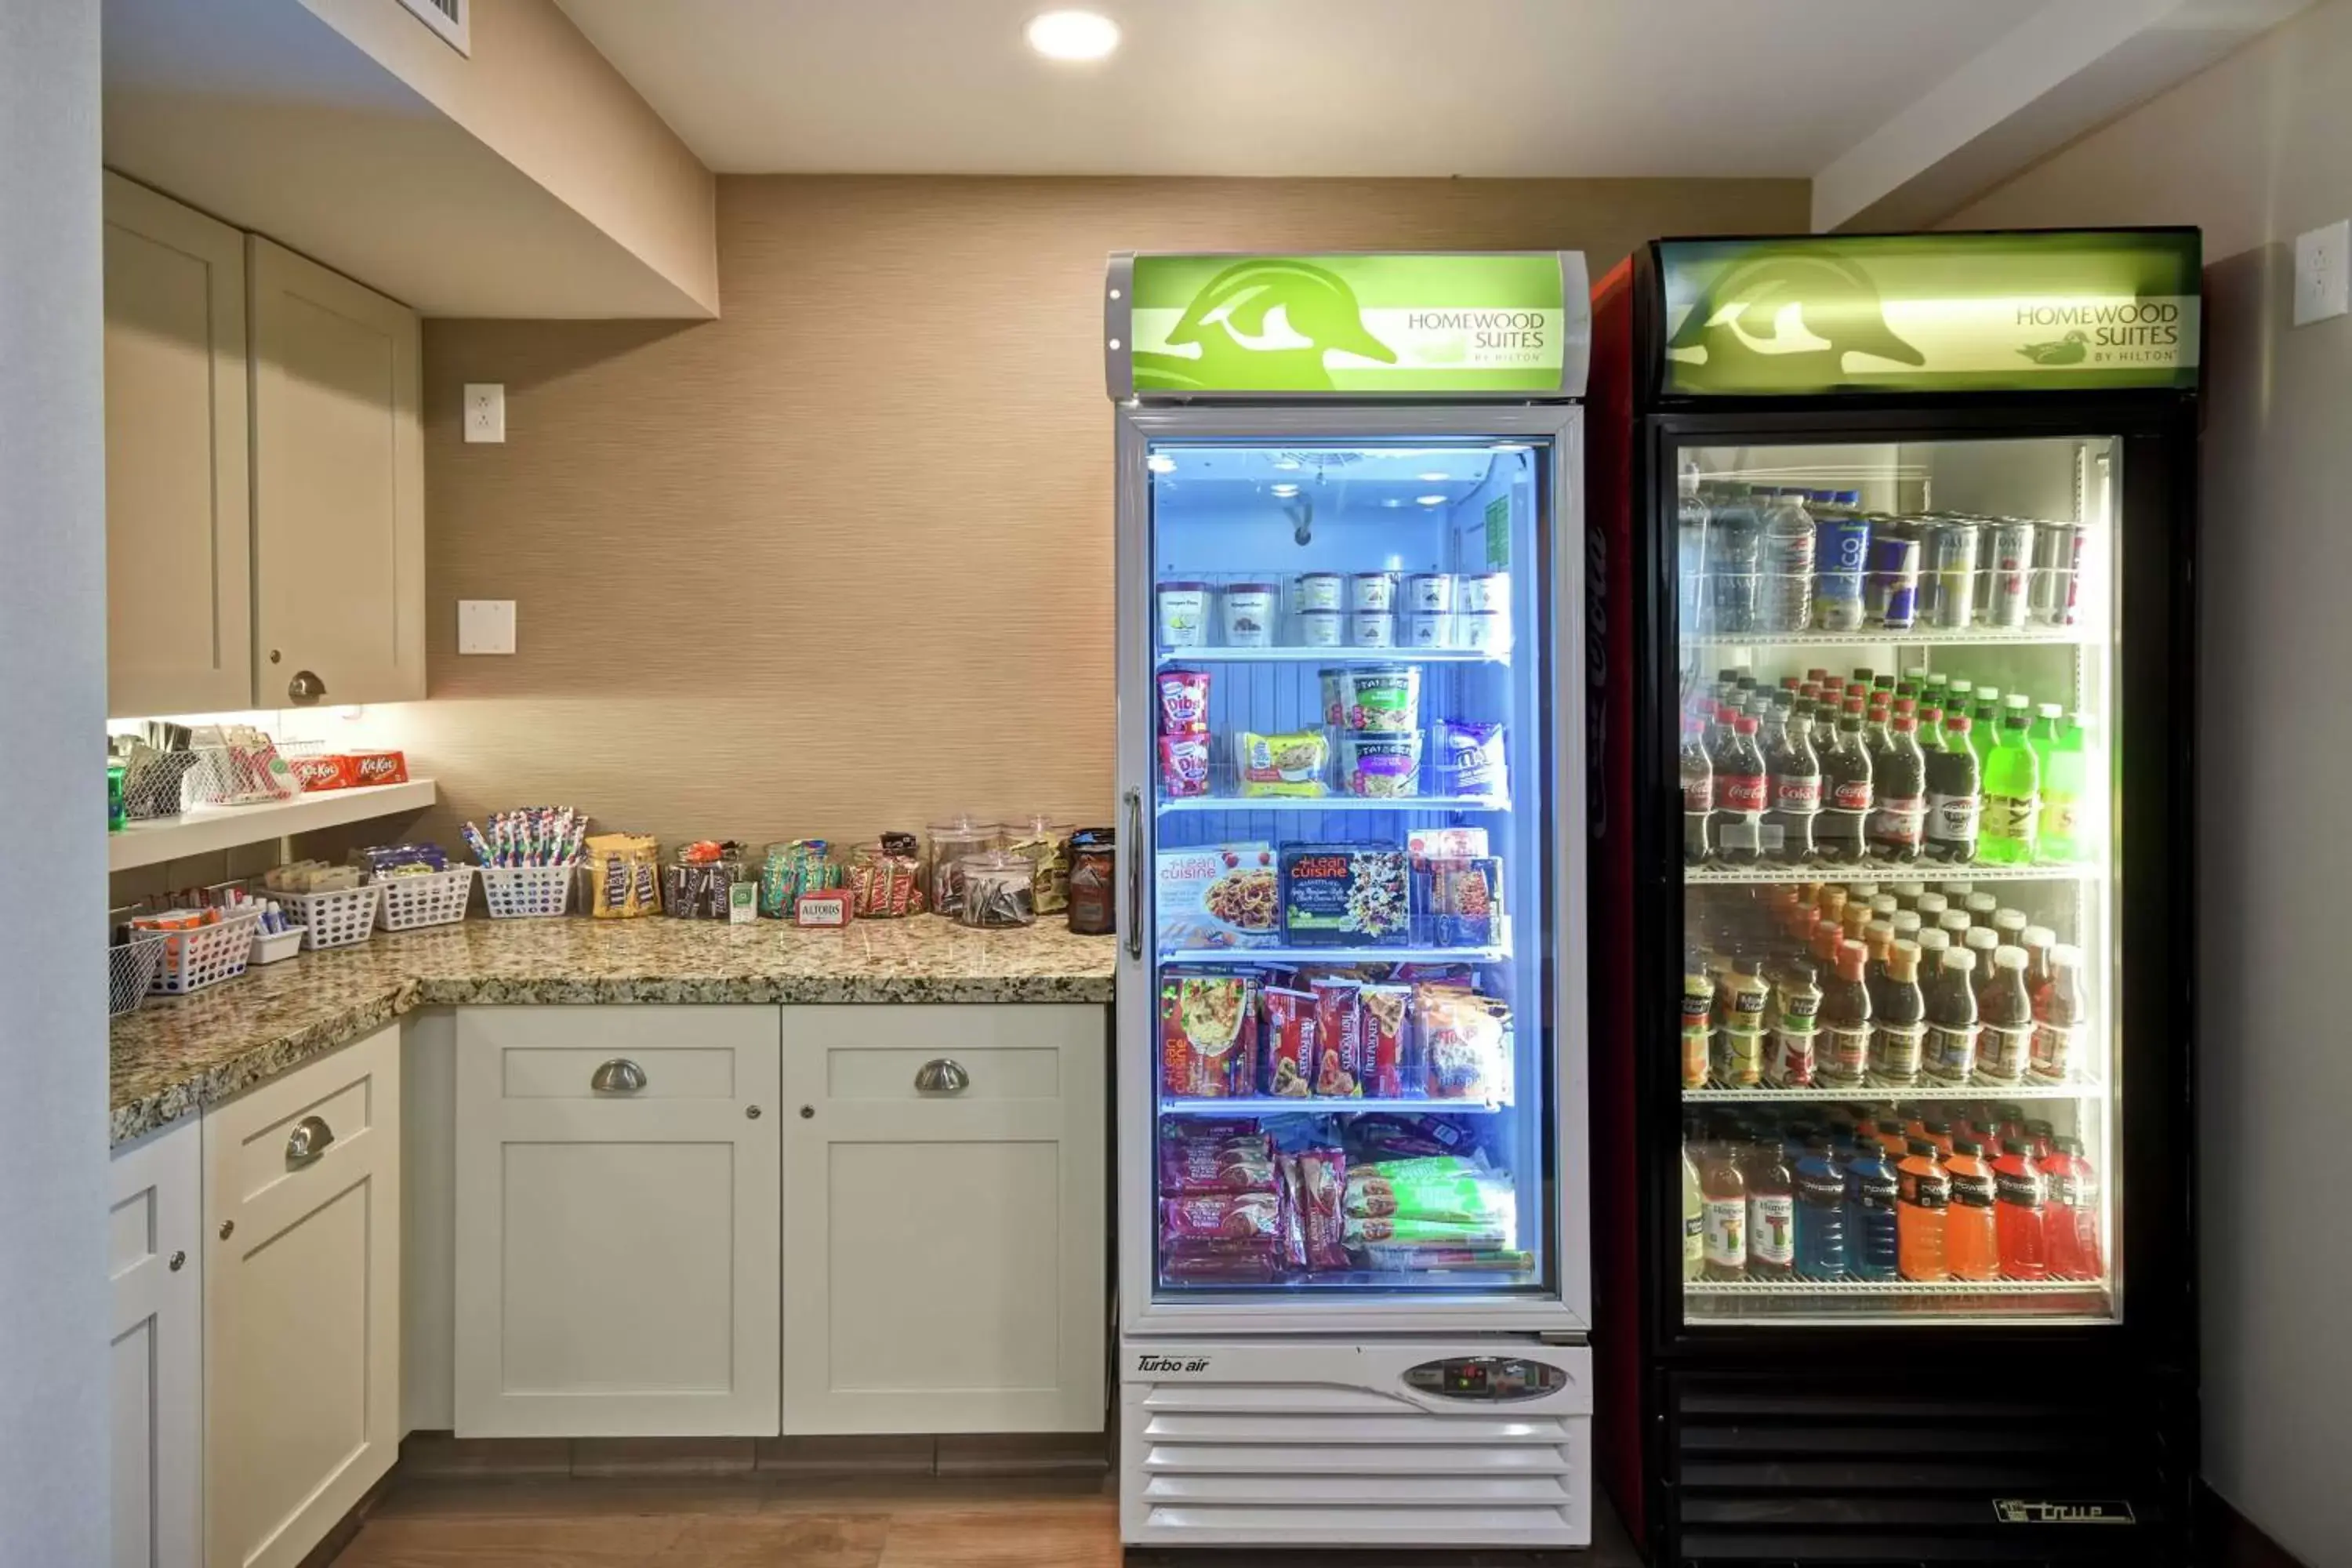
column 616, row 1244
column 301, row 1302
column 944, row 1249
column 156, row 1262
column 179, row 525
column 338, row 486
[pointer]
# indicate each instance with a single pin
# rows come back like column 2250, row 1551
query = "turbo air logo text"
column 1172, row 1364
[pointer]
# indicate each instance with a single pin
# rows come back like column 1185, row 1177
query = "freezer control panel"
column 1486, row 1377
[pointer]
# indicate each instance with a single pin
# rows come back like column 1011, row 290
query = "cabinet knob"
column 309, row 1140
column 808, row 1112
column 227, row 1229
column 943, row 1075
column 305, row 688
column 751, row 1112
column 179, row 1261
column 619, row 1076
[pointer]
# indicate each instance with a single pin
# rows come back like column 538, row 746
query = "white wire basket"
column 425, row 899
column 528, row 892
column 131, row 968
column 342, row 918
column 205, row 956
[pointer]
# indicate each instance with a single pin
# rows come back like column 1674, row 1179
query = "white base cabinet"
column 943, row 1234
column 301, row 1302
column 155, row 1262
column 617, row 1221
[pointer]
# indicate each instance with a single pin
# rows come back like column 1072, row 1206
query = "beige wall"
column 841, row 560
column 534, row 91
column 2255, row 150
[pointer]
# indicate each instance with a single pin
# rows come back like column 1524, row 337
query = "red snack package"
column 1384, row 1010
column 1294, row 1221
column 321, row 773
column 1339, row 1038
column 1223, row 1130
column 1184, row 701
column 378, row 767
column 1287, row 1063
column 1219, row 1218
column 1186, row 1169
column 1208, row 1036
column 1318, row 1191
column 1256, row 1266
column 1183, row 765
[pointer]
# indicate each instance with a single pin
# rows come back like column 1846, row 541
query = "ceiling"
column 1866, row 97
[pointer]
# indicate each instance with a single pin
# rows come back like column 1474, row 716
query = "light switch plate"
column 485, row 626
column 2322, row 270
column 485, row 411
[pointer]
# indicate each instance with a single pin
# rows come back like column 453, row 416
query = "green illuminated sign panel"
column 1931, row 312
column 1350, row 325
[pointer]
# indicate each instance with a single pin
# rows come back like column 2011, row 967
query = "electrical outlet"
column 485, row 411
column 485, row 626
column 2322, row 269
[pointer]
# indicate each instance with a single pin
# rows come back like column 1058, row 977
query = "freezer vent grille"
column 1309, row 1465
column 1781, row 1473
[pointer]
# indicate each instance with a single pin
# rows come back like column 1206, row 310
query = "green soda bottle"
column 1984, row 725
column 2013, row 796
column 2063, row 784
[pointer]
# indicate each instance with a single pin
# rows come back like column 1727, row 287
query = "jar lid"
column 963, row 822
column 1249, row 587
column 996, row 860
column 1362, row 576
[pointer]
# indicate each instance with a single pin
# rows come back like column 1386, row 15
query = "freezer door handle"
column 1135, row 874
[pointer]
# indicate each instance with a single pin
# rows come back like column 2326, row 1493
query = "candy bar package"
column 1219, row 1218
column 1339, row 1038
column 624, row 876
column 1344, row 895
column 1208, row 1036
column 1242, row 1165
column 1287, row 1056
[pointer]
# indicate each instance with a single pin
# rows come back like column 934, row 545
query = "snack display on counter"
column 530, row 836
column 624, row 876
column 1046, row 843
column 885, row 878
column 311, row 876
column 1094, row 883
column 999, row 889
column 950, row 842
column 696, row 884
column 402, row 861
column 792, row 867
column 824, row 908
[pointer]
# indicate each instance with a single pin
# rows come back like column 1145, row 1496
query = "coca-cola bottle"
column 1738, row 819
column 1795, row 770
column 1898, row 799
column 1698, row 792
column 1842, row 832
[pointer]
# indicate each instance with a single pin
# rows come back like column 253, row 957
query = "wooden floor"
column 763, row 1522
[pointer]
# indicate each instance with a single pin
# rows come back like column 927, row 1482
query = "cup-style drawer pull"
column 943, row 1075
column 309, row 1140
column 619, row 1076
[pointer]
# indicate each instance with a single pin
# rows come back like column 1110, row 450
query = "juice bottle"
column 1950, row 1056
column 1822, row 1245
column 1698, row 1003
column 1723, row 1192
column 1872, row 1188
column 1923, row 1199
column 1898, row 1016
column 2057, row 1017
column 1844, row 1039
column 1796, row 1022
column 1771, row 1212
column 2006, row 1044
column 1740, row 1043
column 1971, row 1245
column 2019, row 1195
column 2045, row 1141
column 2071, row 1222
column 1694, row 1219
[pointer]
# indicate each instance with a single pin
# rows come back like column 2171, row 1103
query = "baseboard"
column 330, row 1545
column 438, row 1456
column 2227, row 1539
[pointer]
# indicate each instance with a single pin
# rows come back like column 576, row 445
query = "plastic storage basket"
column 425, row 899
column 268, row 947
column 207, row 955
column 528, row 892
column 129, row 970
column 339, row 919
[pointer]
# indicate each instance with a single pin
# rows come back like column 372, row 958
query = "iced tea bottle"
column 1950, row 1056
column 1924, row 1196
column 1843, row 1053
column 2006, row 1013
column 1724, row 1193
column 1898, row 1020
column 1771, row 1212
column 1698, row 1003
column 1795, row 1027
column 2020, row 1195
column 1740, row 1042
column 1972, row 1244
column 2057, row 1017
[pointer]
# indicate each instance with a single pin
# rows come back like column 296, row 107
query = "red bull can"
column 1890, row 591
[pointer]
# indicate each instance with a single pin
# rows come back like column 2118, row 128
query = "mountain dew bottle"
column 2013, row 796
column 2064, row 781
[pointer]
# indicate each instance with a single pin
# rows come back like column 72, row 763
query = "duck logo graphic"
column 1262, row 323
column 1784, row 319
column 2072, row 349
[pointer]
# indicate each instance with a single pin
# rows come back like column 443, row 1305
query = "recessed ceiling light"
column 1073, row 35
column 1431, row 500
column 1286, row 491
column 1432, row 479
column 1160, row 463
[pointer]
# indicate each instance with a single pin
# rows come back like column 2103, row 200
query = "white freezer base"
column 1304, row 1442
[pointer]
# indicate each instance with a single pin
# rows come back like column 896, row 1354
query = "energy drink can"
column 2057, row 573
column 2009, row 572
column 1841, row 556
column 1891, row 588
column 1948, row 574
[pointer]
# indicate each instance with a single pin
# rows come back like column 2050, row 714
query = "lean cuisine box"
column 1344, row 895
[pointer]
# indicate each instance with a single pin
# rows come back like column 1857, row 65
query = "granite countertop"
column 171, row 1059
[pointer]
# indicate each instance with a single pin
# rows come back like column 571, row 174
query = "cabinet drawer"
column 1005, row 1053
column 986, row 1072
column 340, row 1091
column 568, row 1072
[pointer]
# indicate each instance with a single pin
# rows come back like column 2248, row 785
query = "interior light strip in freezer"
column 1840, row 1288
column 1325, row 1105
column 1991, row 637
column 1335, row 802
column 1331, row 656
column 1872, row 1092
column 1338, row 955
column 1884, row 871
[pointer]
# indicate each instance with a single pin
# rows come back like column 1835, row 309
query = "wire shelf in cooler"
column 1929, row 636
column 1335, row 802
column 1229, row 955
column 1332, row 656
column 1871, row 1092
column 1280, row 1105
column 1736, row 1288
column 1883, row 871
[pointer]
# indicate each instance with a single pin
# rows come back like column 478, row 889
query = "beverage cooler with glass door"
column 1894, row 1082
column 1353, row 1286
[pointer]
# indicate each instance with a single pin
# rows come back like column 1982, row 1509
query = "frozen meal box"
column 1344, row 895
column 1218, row 895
